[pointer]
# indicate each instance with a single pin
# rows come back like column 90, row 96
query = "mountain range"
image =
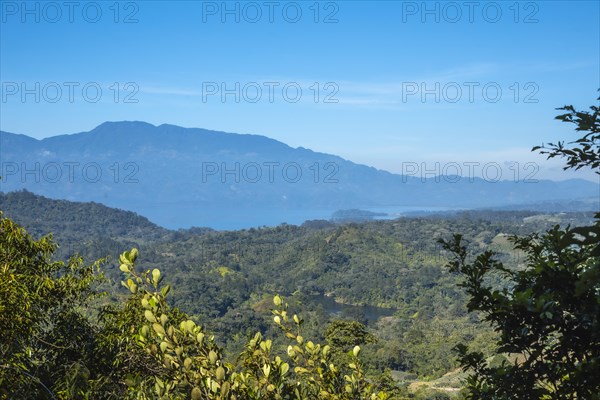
column 181, row 177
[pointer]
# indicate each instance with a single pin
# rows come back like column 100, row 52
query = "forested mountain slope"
column 224, row 277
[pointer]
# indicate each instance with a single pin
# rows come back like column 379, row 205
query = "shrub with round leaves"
column 191, row 365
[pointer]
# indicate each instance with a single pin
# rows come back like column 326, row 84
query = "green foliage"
column 58, row 343
column 548, row 316
column 189, row 363
column 586, row 150
column 71, row 220
column 61, row 340
column 344, row 335
column 386, row 383
column 44, row 330
column 225, row 279
column 424, row 393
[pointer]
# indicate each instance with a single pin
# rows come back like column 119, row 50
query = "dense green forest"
column 226, row 279
column 512, row 298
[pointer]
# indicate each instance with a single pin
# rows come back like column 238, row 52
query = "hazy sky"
column 381, row 83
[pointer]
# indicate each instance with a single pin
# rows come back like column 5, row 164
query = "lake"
column 243, row 218
column 369, row 313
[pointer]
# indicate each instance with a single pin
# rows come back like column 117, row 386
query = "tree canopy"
column 548, row 313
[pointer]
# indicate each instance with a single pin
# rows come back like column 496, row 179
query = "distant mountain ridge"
column 181, row 177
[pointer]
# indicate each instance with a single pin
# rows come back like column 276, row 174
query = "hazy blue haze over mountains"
column 173, row 176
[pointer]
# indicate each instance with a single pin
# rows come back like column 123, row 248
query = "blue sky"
column 397, row 82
